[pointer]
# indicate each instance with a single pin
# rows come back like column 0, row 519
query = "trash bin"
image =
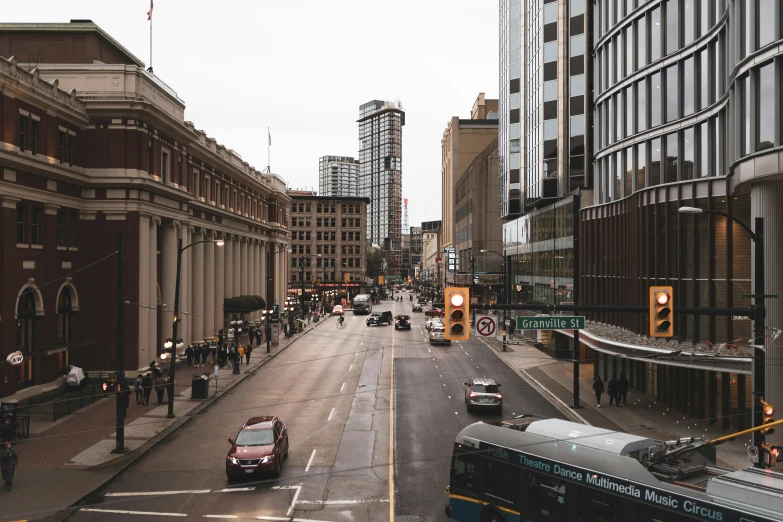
column 200, row 387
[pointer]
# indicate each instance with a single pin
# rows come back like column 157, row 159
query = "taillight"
column 498, row 396
column 472, row 394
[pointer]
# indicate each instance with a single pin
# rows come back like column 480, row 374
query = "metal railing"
column 78, row 399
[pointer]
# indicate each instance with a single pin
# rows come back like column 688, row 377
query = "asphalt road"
column 332, row 389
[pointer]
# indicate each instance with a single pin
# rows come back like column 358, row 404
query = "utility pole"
column 120, row 438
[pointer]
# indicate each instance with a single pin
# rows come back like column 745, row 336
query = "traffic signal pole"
column 120, row 392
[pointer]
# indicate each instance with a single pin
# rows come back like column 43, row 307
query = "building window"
column 63, row 138
column 164, row 166
column 671, row 158
column 149, row 158
column 21, row 223
column 672, row 93
column 207, row 189
column 60, row 228
column 34, row 131
column 196, row 184
column 672, row 26
column 765, row 120
column 71, row 148
column 35, row 229
column 22, row 133
column 70, row 236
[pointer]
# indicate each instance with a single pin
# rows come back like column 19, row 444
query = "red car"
column 259, row 448
column 434, row 312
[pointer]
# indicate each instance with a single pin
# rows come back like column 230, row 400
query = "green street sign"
column 552, row 322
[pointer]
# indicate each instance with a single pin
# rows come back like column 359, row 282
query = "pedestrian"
column 189, row 354
column 511, row 327
column 8, row 461
column 204, row 354
column 258, row 336
column 160, row 387
column 138, row 386
column 598, row 388
column 241, row 353
column 247, row 353
column 285, row 330
column 146, row 384
column 613, row 385
column 622, row 387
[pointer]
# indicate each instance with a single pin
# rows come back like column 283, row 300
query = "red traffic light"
column 457, row 299
column 662, row 298
column 769, row 410
column 105, row 386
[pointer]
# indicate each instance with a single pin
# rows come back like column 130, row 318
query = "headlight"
column 267, row 459
column 232, row 460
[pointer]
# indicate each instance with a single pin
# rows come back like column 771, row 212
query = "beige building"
column 329, row 243
column 463, row 140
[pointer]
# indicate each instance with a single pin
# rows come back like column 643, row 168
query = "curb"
column 124, row 462
column 564, row 408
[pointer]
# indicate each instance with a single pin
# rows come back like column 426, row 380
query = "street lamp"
column 171, row 346
column 301, row 262
column 759, row 328
column 268, row 329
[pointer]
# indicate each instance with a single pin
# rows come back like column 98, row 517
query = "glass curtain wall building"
column 687, row 113
column 338, row 176
column 545, row 137
column 380, row 175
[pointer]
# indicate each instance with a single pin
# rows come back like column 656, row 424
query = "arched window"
column 64, row 312
column 25, row 336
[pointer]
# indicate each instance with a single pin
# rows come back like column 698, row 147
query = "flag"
column 270, row 137
column 149, row 13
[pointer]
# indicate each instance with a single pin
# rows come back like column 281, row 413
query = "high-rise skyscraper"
column 380, row 175
column 338, row 176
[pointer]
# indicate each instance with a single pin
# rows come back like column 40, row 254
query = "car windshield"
column 485, row 388
column 255, row 437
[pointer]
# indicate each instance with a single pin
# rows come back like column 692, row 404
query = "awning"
column 694, row 360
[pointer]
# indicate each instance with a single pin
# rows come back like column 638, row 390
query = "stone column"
column 251, row 289
column 154, row 312
column 208, row 330
column 262, row 266
column 259, row 282
column 236, row 268
column 243, row 264
column 143, row 349
column 766, row 200
column 220, row 256
column 168, row 279
column 228, row 267
column 197, row 278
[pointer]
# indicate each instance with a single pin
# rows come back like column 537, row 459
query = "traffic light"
column 110, row 386
column 457, row 313
column 770, row 454
column 661, row 311
column 767, row 416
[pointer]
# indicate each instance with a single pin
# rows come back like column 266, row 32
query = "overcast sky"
column 303, row 67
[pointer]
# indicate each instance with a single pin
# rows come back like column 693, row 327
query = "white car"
column 338, row 310
column 436, row 321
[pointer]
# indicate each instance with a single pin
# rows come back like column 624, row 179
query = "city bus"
column 535, row 469
column 362, row 304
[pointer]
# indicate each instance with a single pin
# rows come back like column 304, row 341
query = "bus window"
column 546, row 498
column 498, row 481
column 463, row 471
column 597, row 507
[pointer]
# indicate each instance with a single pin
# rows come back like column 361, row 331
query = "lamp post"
column 505, row 292
column 301, row 262
column 268, row 329
column 759, row 327
column 176, row 343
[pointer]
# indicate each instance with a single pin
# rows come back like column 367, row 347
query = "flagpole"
column 269, row 151
column 149, row 17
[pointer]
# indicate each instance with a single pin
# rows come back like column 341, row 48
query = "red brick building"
column 92, row 144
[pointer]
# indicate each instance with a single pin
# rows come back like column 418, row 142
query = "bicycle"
column 341, row 325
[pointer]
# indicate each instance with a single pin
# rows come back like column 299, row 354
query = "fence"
column 78, row 399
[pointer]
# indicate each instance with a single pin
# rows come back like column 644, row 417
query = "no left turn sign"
column 486, row 326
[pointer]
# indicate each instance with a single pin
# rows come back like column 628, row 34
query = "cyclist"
column 341, row 321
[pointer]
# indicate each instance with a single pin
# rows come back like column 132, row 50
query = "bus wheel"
column 491, row 514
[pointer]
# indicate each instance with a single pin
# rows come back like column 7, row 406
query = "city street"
column 332, row 391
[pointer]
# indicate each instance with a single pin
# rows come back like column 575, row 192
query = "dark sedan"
column 417, row 307
column 259, row 448
column 434, row 312
column 402, row 322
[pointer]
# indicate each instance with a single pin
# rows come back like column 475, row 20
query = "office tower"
column 338, row 176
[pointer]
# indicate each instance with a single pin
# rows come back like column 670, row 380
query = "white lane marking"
column 351, row 368
column 158, row 493
column 294, row 500
column 330, row 415
column 357, row 354
column 455, row 413
column 444, row 385
column 288, row 519
column 449, row 396
column 221, row 516
column 312, row 456
column 124, row 512
column 231, row 490
column 342, row 387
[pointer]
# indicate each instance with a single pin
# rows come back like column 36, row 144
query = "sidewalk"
column 642, row 416
column 70, row 458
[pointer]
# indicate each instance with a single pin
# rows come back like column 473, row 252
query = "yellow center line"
column 391, row 432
